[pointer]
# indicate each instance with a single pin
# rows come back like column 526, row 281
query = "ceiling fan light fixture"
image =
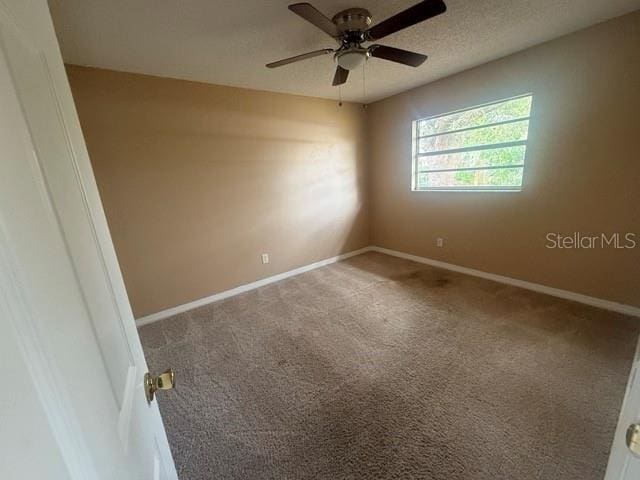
column 351, row 59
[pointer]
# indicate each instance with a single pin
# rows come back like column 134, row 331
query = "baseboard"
column 154, row 317
column 536, row 287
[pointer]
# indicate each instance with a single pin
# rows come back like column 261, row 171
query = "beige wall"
column 199, row 180
column 582, row 170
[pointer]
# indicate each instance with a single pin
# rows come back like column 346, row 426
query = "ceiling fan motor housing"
column 352, row 23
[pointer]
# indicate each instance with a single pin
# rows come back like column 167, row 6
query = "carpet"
column 381, row 368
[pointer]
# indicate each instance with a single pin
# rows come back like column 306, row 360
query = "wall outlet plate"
column 439, row 242
column 265, row 258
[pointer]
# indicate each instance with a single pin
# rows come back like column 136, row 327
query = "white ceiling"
column 228, row 42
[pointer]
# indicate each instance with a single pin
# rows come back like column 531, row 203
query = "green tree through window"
column 481, row 148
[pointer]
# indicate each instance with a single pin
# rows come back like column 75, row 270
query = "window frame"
column 505, row 189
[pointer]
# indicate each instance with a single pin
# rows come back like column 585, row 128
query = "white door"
column 72, row 404
column 623, row 464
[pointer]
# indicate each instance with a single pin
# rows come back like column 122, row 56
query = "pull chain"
column 339, row 95
column 364, row 83
column 364, row 86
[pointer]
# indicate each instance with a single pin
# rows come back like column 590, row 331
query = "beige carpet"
column 381, row 368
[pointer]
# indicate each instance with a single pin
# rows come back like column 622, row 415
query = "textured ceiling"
column 228, row 42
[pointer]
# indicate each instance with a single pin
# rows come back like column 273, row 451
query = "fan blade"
column 297, row 58
column 313, row 15
column 416, row 14
column 397, row 55
column 340, row 77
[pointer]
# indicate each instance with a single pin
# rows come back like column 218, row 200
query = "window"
column 477, row 149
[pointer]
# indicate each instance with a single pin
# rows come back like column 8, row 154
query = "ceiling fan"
column 351, row 28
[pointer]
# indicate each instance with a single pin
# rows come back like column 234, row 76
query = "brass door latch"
column 165, row 381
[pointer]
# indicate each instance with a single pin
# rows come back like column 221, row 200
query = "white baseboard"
column 154, row 317
column 536, row 287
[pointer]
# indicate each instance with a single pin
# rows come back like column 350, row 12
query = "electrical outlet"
column 439, row 242
column 265, row 258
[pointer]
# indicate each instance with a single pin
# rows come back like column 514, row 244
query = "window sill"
column 468, row 190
